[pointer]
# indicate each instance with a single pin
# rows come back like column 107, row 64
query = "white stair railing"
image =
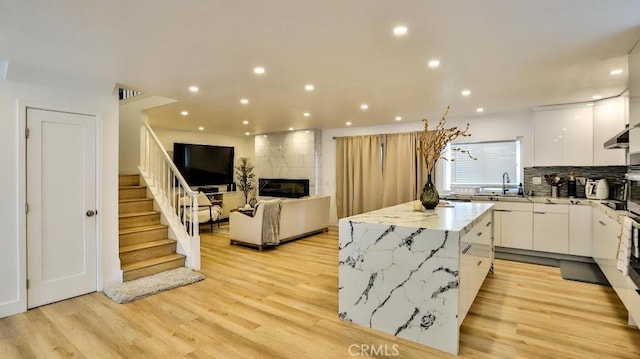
column 173, row 195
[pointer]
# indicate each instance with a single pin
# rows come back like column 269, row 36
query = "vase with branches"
column 432, row 143
column 245, row 177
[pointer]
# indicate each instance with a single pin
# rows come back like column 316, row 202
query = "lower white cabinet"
column 476, row 256
column 551, row 228
column 513, row 225
column 606, row 236
column 580, row 230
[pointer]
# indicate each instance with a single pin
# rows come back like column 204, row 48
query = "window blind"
column 493, row 159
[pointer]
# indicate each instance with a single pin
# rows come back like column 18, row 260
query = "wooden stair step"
column 128, row 180
column 146, row 245
column 152, row 266
column 135, row 205
column 133, row 230
column 147, row 250
column 134, row 235
column 138, row 219
column 127, row 192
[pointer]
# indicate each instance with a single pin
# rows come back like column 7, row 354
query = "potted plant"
column 245, row 177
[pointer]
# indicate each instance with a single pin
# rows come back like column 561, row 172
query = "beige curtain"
column 399, row 180
column 358, row 175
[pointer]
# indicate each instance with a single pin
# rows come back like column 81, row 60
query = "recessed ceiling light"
column 306, row 114
column 400, row 30
column 348, row 123
column 258, row 70
column 479, row 109
column 433, row 63
column 616, row 72
column 290, row 128
column 247, row 133
column 596, row 97
column 244, row 101
column 309, row 87
column 201, row 128
column 193, row 88
column 398, row 118
column 466, row 92
column 184, row 113
column 245, row 122
column 364, row 106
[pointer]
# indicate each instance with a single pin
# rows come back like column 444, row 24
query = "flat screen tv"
column 203, row 165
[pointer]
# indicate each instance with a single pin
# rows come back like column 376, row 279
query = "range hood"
column 620, row 140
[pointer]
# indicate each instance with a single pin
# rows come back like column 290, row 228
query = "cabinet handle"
column 488, row 224
column 466, row 249
column 602, row 223
column 479, row 262
column 502, row 210
column 479, row 234
column 539, row 212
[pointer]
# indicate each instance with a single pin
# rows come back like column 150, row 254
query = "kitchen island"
column 414, row 274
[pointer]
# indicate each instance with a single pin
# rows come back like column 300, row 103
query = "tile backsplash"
column 611, row 173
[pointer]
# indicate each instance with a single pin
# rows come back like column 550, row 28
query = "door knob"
column 91, row 213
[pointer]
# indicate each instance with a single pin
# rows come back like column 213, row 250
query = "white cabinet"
column 551, row 228
column 547, row 138
column 608, row 120
column 606, row 235
column 580, row 236
column 634, row 121
column 563, row 137
column 476, row 256
column 513, row 225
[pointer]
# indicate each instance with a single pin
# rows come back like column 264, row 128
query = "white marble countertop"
column 462, row 216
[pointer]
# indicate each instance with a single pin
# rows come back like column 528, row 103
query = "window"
column 492, row 160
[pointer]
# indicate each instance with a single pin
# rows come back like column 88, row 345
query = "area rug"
column 146, row 286
column 582, row 272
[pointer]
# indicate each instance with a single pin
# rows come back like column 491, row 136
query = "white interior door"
column 61, row 192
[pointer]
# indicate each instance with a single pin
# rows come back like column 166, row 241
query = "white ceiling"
column 512, row 55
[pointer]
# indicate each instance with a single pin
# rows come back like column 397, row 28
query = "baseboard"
column 558, row 256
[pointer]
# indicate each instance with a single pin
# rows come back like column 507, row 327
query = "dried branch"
column 433, row 142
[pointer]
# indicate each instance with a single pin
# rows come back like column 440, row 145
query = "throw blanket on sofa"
column 271, row 221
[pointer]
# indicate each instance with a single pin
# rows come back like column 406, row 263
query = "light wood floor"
column 283, row 303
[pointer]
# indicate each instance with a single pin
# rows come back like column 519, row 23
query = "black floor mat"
column 582, row 272
column 549, row 262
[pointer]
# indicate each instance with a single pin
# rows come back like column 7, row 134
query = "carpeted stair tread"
column 143, row 287
column 137, row 214
column 146, row 245
column 151, row 262
column 142, row 229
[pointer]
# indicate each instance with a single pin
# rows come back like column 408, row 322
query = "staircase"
column 145, row 248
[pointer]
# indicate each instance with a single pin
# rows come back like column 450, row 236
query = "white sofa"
column 298, row 218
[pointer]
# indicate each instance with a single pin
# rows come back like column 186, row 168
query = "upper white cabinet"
column 563, row 137
column 608, row 120
column 547, row 138
column 634, row 72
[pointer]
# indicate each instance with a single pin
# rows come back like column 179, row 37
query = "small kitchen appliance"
column 596, row 188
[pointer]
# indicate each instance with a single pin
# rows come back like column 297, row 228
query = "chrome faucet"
column 505, row 180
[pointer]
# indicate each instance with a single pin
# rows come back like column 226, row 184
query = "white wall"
column 482, row 128
column 13, row 96
column 131, row 115
column 243, row 145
